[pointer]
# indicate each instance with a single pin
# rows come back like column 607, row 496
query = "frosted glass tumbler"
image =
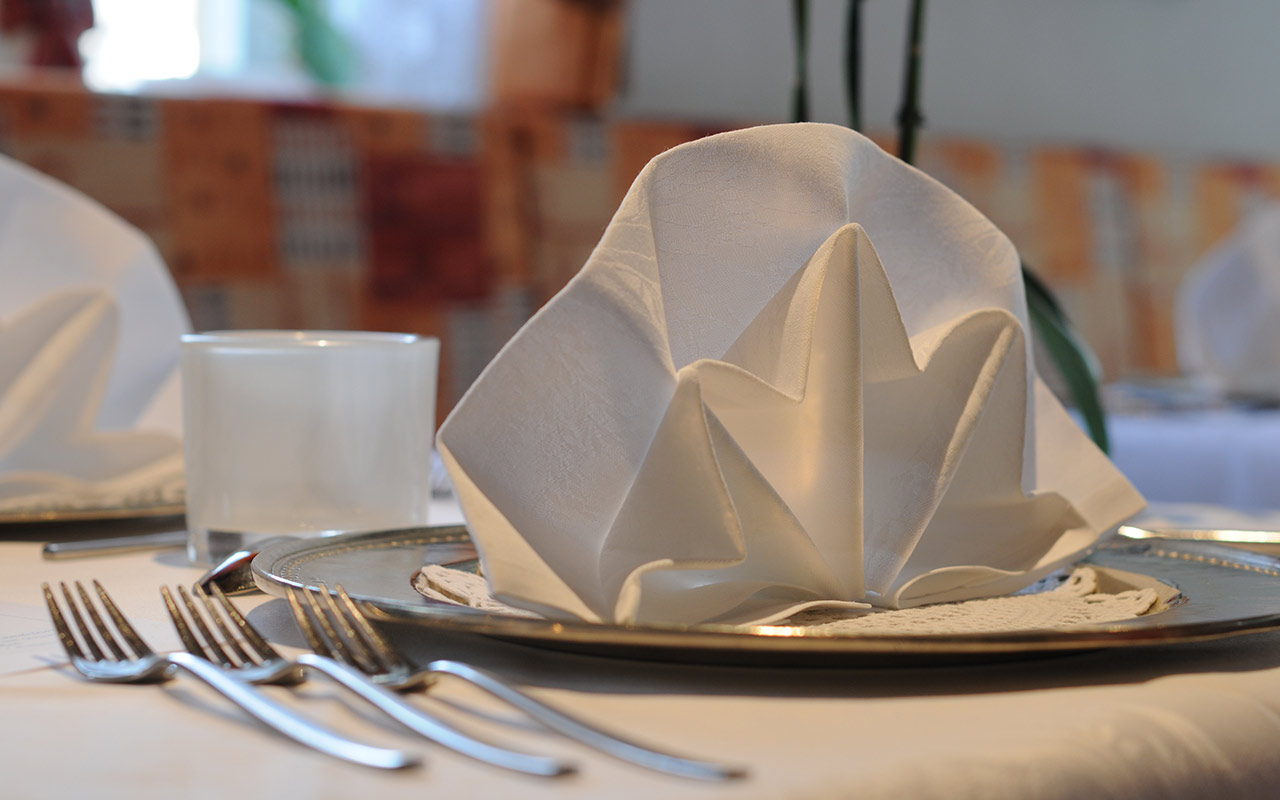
column 305, row 433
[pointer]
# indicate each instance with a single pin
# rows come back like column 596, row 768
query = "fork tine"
column 108, row 638
column 212, row 645
column 337, row 646
column 302, row 616
column 189, row 640
column 68, row 641
column 89, row 641
column 359, row 628
column 150, row 668
column 250, row 633
column 228, row 638
column 365, row 657
column 131, row 636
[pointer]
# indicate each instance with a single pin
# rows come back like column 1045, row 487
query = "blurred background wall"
column 1186, row 77
column 444, row 166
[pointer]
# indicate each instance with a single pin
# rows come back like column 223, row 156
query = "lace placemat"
column 168, row 496
column 1068, row 600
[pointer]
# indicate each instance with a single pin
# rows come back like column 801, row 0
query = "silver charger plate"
column 1206, row 590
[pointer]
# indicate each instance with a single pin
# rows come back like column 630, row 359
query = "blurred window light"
column 432, row 53
column 417, row 53
column 136, row 41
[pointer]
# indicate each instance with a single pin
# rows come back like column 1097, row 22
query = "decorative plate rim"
column 1219, row 591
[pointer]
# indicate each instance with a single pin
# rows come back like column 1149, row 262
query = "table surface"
column 1189, row 721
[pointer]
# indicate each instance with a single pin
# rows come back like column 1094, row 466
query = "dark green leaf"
column 1072, row 357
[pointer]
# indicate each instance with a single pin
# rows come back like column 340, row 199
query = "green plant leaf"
column 1073, row 358
column 323, row 50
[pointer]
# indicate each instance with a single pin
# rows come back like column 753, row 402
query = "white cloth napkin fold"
column 794, row 372
column 1228, row 320
column 90, row 320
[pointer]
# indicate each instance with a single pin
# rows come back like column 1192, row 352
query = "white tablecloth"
column 1193, row 721
column 1223, row 457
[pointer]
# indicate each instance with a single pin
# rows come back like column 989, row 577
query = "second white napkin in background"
column 794, row 372
column 1229, row 311
column 90, row 320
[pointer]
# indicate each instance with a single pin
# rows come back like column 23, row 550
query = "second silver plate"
column 1207, row 591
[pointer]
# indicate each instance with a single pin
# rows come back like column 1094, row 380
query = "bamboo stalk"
column 909, row 115
column 853, row 63
column 800, row 91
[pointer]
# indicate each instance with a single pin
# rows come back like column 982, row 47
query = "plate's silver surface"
column 1225, row 535
column 1206, row 590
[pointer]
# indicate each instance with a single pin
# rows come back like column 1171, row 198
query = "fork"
column 146, row 666
column 363, row 647
column 267, row 665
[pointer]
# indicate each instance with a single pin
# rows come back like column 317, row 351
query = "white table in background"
column 1222, row 457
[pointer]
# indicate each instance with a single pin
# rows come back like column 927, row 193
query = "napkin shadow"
column 546, row 667
column 172, row 558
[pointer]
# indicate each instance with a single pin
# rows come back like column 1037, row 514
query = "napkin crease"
column 55, row 359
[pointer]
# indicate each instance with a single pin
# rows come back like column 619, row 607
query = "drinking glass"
column 305, row 433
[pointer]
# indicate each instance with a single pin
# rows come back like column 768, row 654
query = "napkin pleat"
column 978, row 488
column 682, row 439
column 806, row 439
column 1076, row 469
column 53, row 238
column 525, row 579
column 557, row 500
column 55, row 359
column 722, row 515
column 49, row 348
column 781, row 566
column 918, row 454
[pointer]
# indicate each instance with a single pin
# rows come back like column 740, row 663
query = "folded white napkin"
column 1228, row 316
column 740, row 407
column 90, row 409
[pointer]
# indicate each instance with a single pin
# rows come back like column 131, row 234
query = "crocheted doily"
column 1064, row 601
column 170, row 492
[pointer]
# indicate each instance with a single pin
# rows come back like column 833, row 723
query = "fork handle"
column 576, row 729
column 285, row 721
column 428, row 726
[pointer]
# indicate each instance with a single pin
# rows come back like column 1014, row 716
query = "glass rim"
column 265, row 337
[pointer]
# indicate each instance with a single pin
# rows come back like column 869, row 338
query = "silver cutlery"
column 146, row 666
column 266, row 665
column 86, row 548
column 338, row 630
